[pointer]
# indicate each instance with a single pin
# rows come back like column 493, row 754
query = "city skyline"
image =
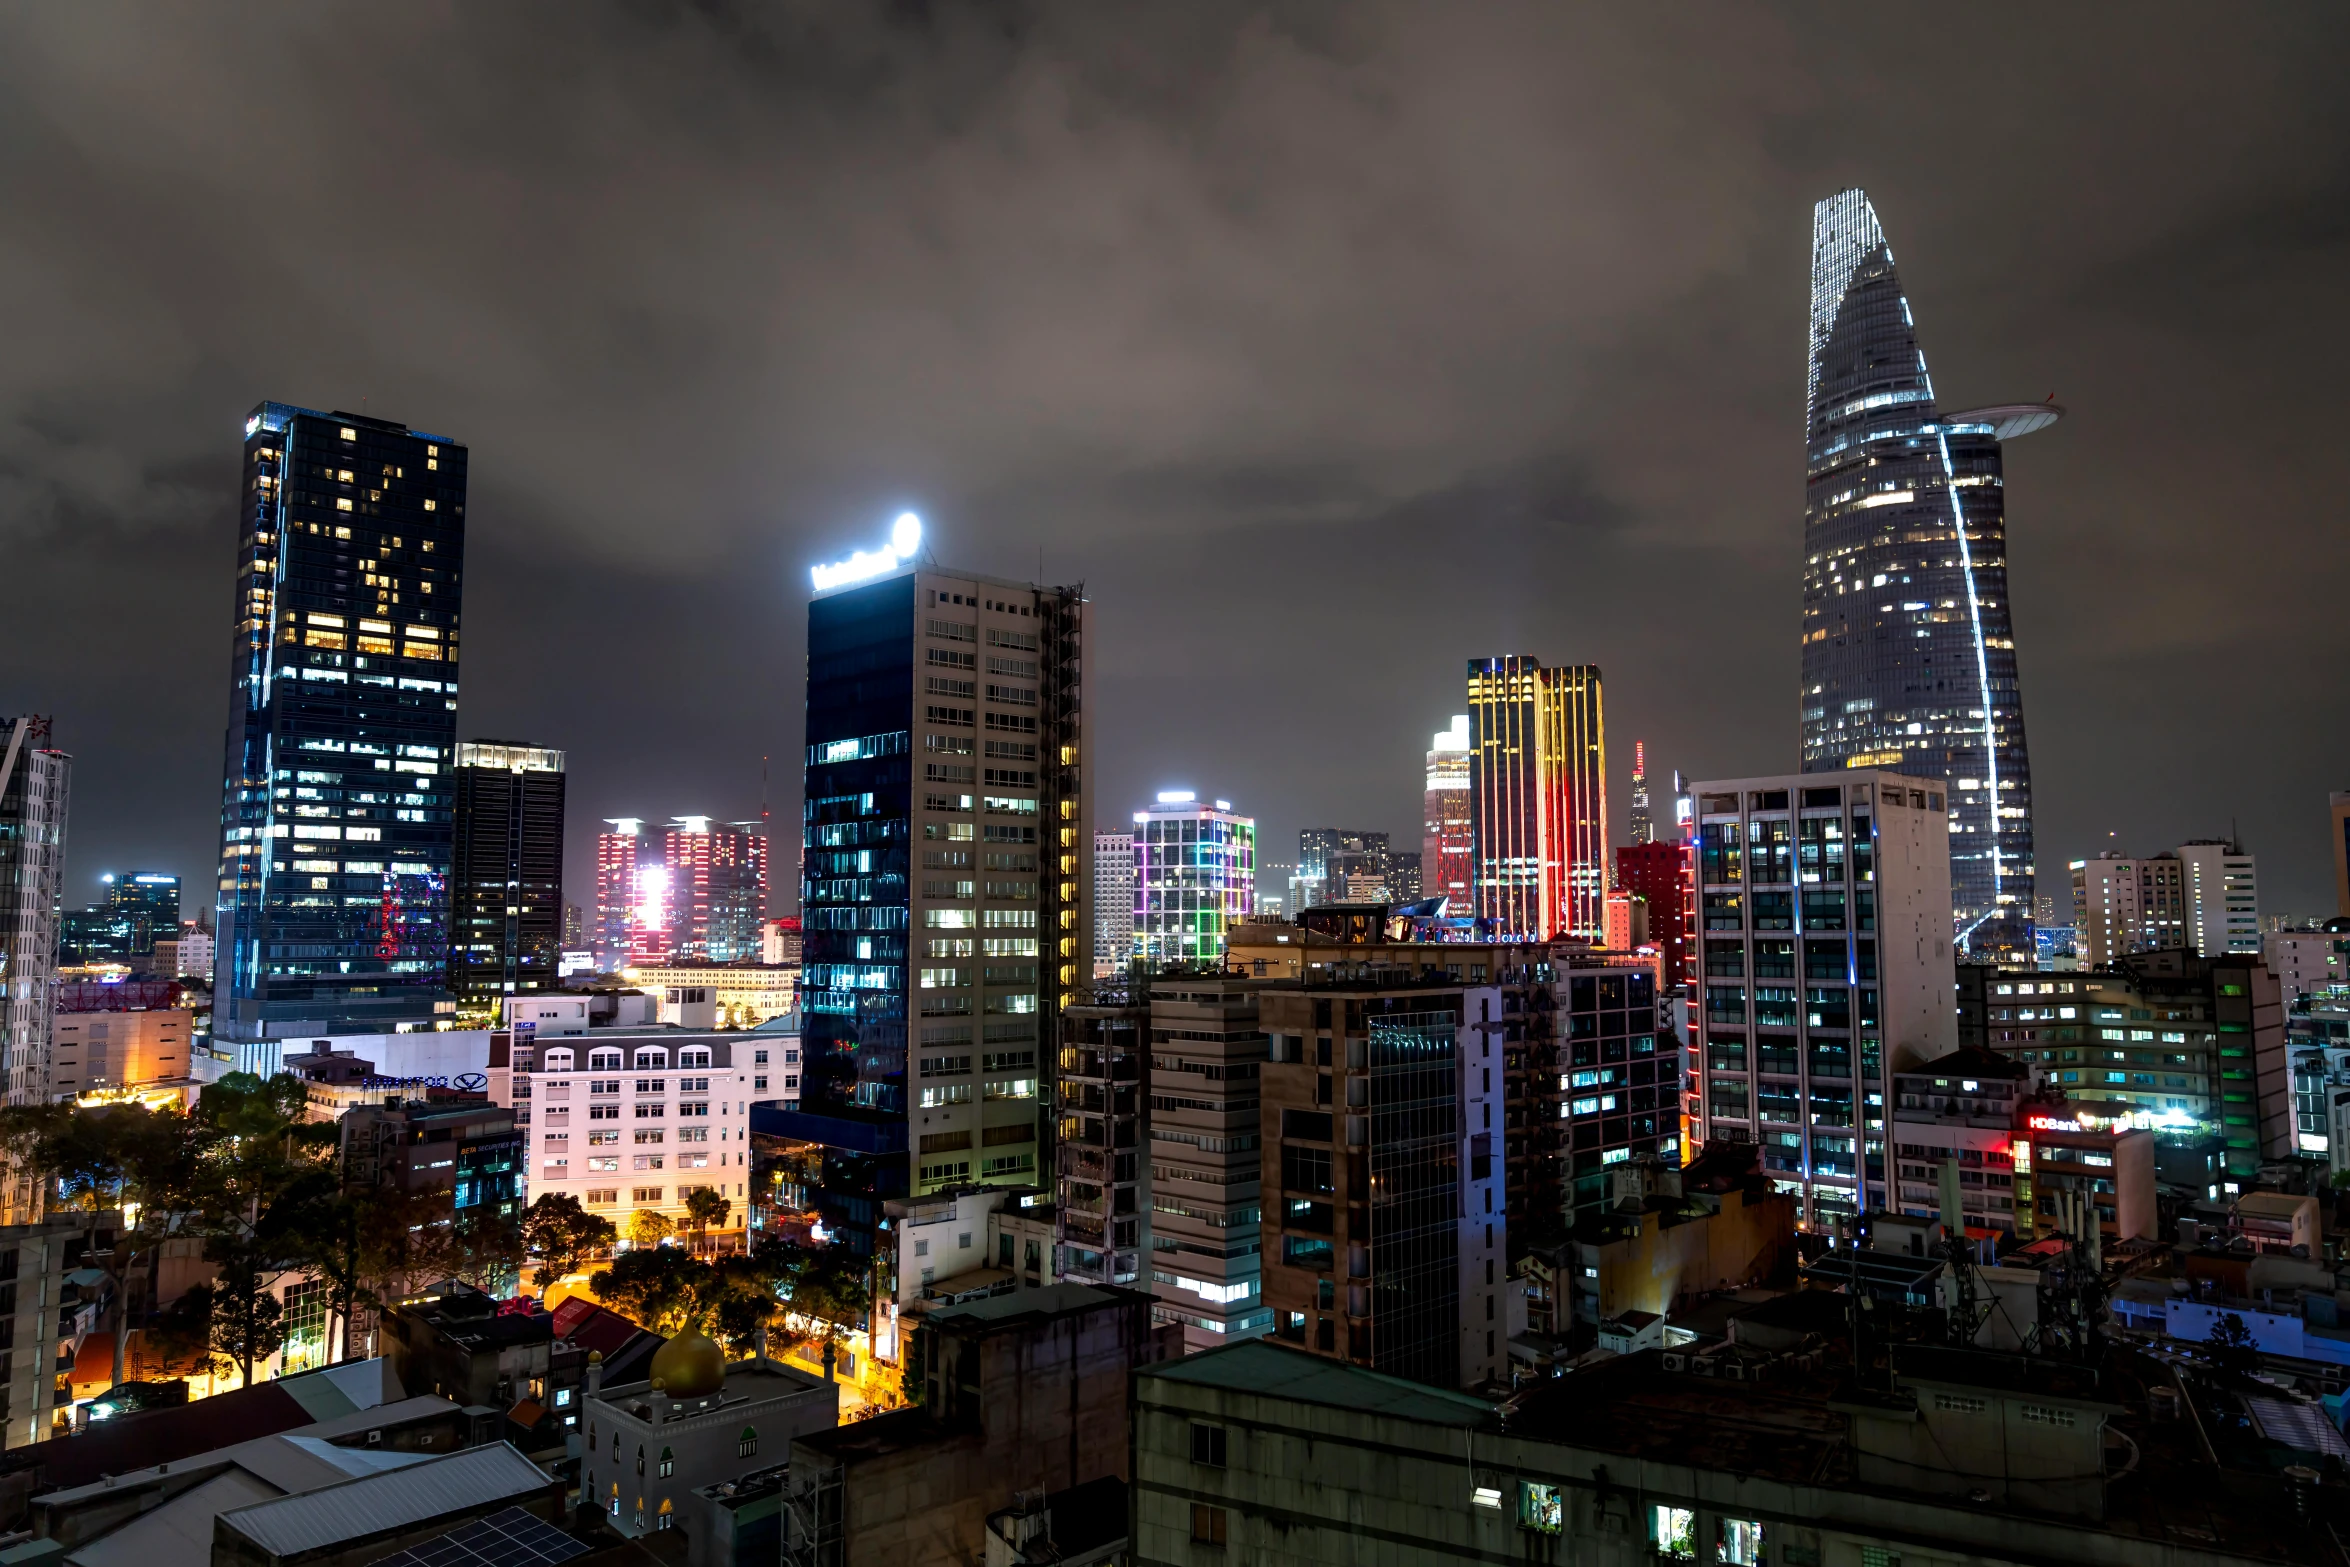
column 2026, row 281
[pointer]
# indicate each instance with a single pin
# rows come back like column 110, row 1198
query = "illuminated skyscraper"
column 1642, row 824
column 1908, row 650
column 336, row 834
column 506, row 894
column 1538, row 797
column 35, row 784
column 1446, row 846
column 944, row 884
column 1339, row 861
column 1195, row 876
column 616, row 862
column 716, row 887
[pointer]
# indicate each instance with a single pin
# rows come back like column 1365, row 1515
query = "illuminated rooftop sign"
column 905, row 537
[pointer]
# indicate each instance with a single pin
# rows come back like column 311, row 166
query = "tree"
column 247, row 1320
column 563, row 1235
column 828, row 1286
column 180, row 1339
column 650, row 1227
column 706, row 1206
column 748, row 1292
column 659, row 1287
column 2232, row 1345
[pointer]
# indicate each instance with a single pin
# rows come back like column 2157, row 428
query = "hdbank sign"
column 905, row 537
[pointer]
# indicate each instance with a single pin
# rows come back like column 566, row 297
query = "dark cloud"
column 1330, row 345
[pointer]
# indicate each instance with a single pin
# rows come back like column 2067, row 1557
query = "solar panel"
column 512, row 1538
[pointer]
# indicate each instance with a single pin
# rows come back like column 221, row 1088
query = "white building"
column 2223, row 897
column 2122, row 906
column 696, row 1421
column 2307, row 960
column 35, row 783
column 425, row 1053
column 630, row 1122
column 1826, row 968
column 1113, row 902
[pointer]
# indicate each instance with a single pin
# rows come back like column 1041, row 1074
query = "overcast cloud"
column 1330, row 346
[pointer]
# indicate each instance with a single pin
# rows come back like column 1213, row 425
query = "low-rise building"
column 462, row 1344
column 695, row 1422
column 96, row 1052
column 2306, row 959
column 634, row 1122
column 739, row 995
column 2090, row 1152
column 1257, row 1452
column 1657, row 1246
column 1959, row 1109
column 917, row 1487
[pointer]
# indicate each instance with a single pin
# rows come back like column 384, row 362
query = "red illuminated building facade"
column 1663, row 874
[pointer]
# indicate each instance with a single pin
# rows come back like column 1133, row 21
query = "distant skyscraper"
column 35, row 782
column 1340, row 861
column 944, row 885
column 1538, row 797
column 617, row 853
column 506, row 889
column 336, row 834
column 1643, row 826
column 1446, row 846
column 149, row 904
column 716, row 886
column 1113, row 902
column 1908, row 649
column 1195, row 876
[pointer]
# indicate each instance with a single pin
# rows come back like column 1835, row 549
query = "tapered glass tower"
column 1908, row 652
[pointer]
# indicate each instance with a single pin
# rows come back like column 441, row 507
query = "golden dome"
column 689, row 1366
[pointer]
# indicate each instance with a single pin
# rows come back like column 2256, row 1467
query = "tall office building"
column 716, row 890
column 506, row 889
column 617, row 852
column 2222, row 885
column 149, row 901
column 1195, row 877
column 944, row 889
column 35, row 784
column 1538, row 798
column 1444, row 839
column 1642, row 825
column 336, row 838
column 1113, row 902
column 1908, row 649
column 1827, row 969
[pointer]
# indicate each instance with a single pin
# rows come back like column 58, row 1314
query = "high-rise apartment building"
column 1446, row 846
column 1538, row 798
column 617, row 855
column 1827, row 969
column 1663, row 871
column 506, row 888
column 336, row 832
column 1385, row 1220
column 1113, row 902
column 1202, row 1182
column 944, row 890
column 2222, row 888
column 715, row 884
column 2122, row 906
column 1195, row 877
column 1101, row 1146
column 35, row 784
column 1908, row 647
column 1642, row 827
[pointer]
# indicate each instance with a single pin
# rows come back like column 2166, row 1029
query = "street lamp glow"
column 905, row 537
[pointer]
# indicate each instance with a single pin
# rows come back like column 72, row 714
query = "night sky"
column 1329, row 346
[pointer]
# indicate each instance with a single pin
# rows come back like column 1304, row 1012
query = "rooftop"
column 1261, row 1366
column 376, row 1504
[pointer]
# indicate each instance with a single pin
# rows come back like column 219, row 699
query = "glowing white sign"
column 905, row 537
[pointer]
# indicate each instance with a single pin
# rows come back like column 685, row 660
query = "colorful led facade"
column 1908, row 649
column 1538, row 797
column 616, row 862
column 336, row 831
column 1642, row 824
column 1195, row 877
column 716, row 890
column 1447, row 847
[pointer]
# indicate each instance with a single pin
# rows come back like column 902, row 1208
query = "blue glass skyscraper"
column 336, row 803
column 1908, row 651
column 944, row 888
